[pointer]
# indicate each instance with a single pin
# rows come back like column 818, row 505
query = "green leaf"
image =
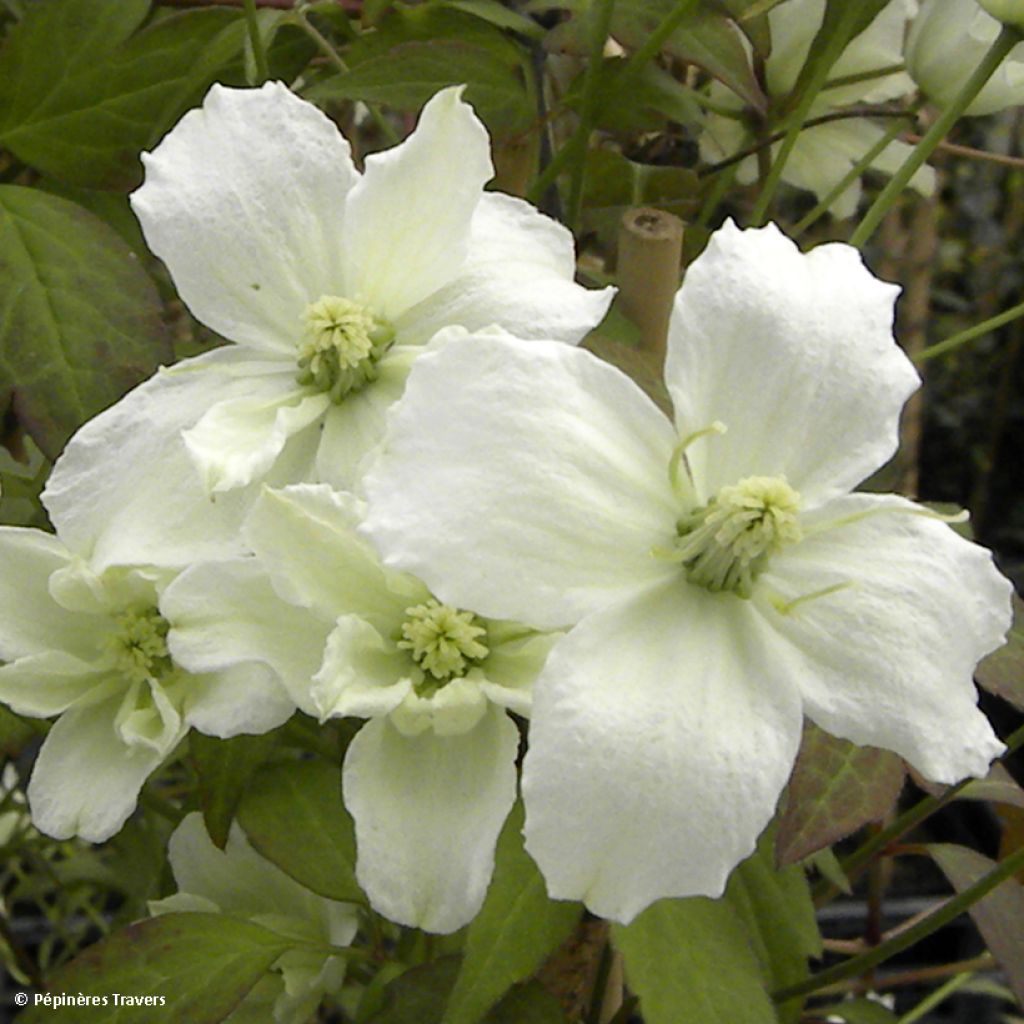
column 201, row 965
column 80, row 321
column 1002, row 672
column 859, row 1011
column 691, row 960
column 775, row 906
column 516, row 929
column 224, row 768
column 835, row 788
column 15, row 733
column 999, row 916
column 998, row 787
column 115, row 95
column 293, row 815
column 527, row 1004
column 493, row 87
column 498, row 14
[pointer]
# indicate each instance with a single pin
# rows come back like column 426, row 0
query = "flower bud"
column 1009, row 12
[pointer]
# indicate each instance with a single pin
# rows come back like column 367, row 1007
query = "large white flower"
column 825, row 152
column 431, row 777
column 92, row 648
column 238, row 881
column 329, row 282
column 722, row 578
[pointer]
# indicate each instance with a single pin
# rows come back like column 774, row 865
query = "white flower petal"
column 238, row 441
column 795, row 355
column 227, row 614
column 248, row 698
column 509, row 462
column 361, row 674
column 31, row 621
column 244, row 201
column 518, row 274
column 407, row 220
column 889, row 660
column 44, row 684
column 660, row 740
column 86, row 781
column 305, row 536
column 428, row 811
column 126, row 491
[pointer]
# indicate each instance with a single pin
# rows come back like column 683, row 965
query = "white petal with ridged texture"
column 794, row 354
column 227, row 614
column 31, row 621
column 518, row 274
column 889, row 660
column 525, row 482
column 248, row 698
column 44, row 684
column 660, row 740
column 244, row 200
column 126, row 491
column 407, row 221
column 428, row 810
column 86, row 781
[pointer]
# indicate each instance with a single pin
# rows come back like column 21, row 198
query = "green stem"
column 864, row 76
column 581, row 137
column 940, row 995
column 324, row 45
column 259, row 53
column 851, row 175
column 1007, row 39
column 942, row 347
column 836, row 44
column 652, row 45
column 948, row 911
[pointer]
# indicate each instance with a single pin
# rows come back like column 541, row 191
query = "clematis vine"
column 720, row 578
column 238, row 881
column 825, row 152
column 328, row 282
column 91, row 648
column 431, row 777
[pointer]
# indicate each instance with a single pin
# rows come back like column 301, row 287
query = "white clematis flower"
column 826, row 152
column 431, row 777
column 238, row 881
column 722, row 579
column 947, row 42
column 92, row 648
column 329, row 282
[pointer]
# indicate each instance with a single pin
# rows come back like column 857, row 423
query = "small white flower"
column 329, row 282
column 238, row 881
column 722, row 579
column 92, row 648
column 431, row 777
column 824, row 152
column 947, row 42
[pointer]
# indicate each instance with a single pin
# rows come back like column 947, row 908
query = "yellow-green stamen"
column 442, row 640
column 139, row 645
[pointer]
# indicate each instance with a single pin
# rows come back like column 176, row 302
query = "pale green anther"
column 140, row 645
column 342, row 344
column 726, row 544
column 442, row 640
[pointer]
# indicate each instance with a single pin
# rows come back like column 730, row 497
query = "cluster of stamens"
column 726, row 544
column 140, row 645
column 341, row 346
column 443, row 641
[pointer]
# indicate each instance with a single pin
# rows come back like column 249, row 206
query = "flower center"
column 726, row 544
column 342, row 344
column 442, row 640
column 140, row 645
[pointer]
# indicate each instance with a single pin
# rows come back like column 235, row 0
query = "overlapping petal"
column 247, row 698
column 888, row 660
column 244, row 200
column 540, row 488
column 794, row 354
column 428, row 811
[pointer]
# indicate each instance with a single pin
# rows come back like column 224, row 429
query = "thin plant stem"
column 852, row 175
column 864, row 76
column 940, row 995
column 581, row 137
column 987, row 326
column 1006, row 40
column 259, row 52
column 324, row 44
column 813, row 86
column 651, row 46
column 941, row 916
column 915, row 976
